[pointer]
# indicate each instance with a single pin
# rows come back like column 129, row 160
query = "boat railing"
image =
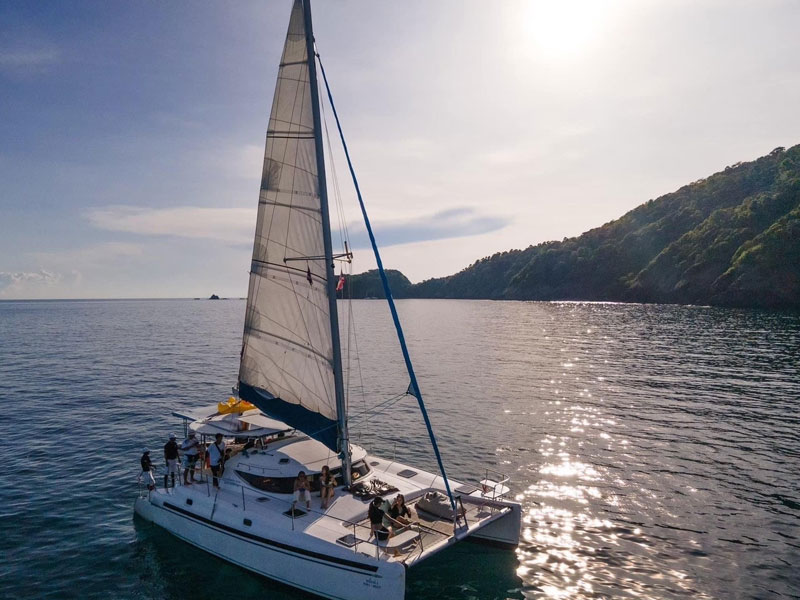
column 362, row 534
column 496, row 488
column 358, row 529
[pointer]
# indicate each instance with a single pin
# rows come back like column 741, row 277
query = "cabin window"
column 276, row 485
column 285, row 485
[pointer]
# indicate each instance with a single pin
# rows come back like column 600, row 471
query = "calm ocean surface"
column 655, row 449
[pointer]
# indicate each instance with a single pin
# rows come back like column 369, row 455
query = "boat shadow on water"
column 171, row 568
column 466, row 571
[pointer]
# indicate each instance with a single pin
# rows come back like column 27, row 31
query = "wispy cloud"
column 451, row 223
column 235, row 225
column 28, row 59
column 229, row 224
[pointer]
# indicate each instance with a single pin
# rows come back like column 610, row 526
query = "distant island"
column 731, row 239
column 213, row 297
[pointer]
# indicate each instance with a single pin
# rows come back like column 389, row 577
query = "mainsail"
column 288, row 352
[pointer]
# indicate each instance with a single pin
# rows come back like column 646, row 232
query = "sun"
column 562, row 28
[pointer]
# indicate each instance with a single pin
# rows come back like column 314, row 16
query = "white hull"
column 250, row 528
column 306, row 564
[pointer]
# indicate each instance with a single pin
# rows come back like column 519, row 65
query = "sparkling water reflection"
column 654, row 448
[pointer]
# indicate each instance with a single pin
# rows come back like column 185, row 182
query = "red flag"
column 340, row 284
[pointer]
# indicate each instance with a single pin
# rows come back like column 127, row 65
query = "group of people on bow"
column 192, row 450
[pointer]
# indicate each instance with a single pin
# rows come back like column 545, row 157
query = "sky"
column 132, row 133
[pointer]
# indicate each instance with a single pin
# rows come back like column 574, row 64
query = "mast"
column 341, row 409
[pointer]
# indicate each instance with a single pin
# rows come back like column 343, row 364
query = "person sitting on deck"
column 376, row 516
column 326, row 484
column 399, row 514
column 301, row 488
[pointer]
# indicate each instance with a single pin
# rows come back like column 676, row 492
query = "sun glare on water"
column 561, row 29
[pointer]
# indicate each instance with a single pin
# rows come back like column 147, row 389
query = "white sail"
column 287, row 355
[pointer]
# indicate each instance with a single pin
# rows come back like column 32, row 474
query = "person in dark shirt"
column 376, row 514
column 399, row 514
column 147, row 470
column 171, row 458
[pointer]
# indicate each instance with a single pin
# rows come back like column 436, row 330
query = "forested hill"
column 732, row 239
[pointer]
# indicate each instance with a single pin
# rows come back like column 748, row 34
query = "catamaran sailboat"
column 290, row 414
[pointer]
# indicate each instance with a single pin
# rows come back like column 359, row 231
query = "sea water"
column 655, row 449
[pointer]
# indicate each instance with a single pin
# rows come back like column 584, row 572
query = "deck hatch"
column 349, row 540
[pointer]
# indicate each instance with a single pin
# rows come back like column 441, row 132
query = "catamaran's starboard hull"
column 310, row 568
column 502, row 533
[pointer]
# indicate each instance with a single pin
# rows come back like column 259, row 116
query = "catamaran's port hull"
column 502, row 533
column 344, row 578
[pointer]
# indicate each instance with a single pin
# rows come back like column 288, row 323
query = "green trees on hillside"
column 730, row 239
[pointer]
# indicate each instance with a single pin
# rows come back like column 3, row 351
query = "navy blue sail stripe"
column 309, row 422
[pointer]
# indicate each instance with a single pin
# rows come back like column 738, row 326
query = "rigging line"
column 334, row 175
column 344, row 234
column 381, row 405
column 358, row 363
column 393, row 309
column 343, row 237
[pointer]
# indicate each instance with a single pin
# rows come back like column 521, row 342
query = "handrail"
column 357, row 527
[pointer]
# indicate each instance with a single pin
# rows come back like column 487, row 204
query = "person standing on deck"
column 171, row 457
column 191, row 449
column 147, row 470
column 216, row 458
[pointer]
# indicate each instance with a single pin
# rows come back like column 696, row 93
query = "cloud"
column 235, row 225
column 27, row 283
column 451, row 223
column 228, row 224
column 28, row 60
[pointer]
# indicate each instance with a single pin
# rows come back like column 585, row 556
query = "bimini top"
column 251, row 423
